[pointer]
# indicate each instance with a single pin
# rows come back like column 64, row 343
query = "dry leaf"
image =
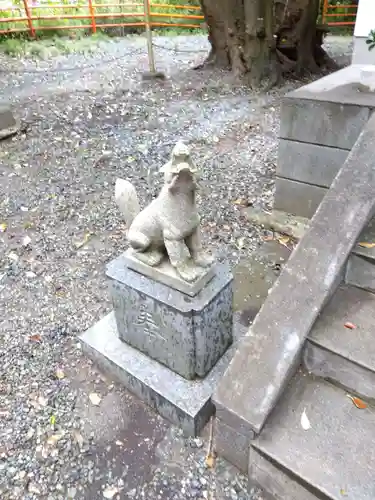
column 349, row 325
column 95, row 398
column 35, row 338
column 284, row 240
column 52, row 440
column 110, row 492
column 59, row 374
column 210, row 461
column 42, row 401
column 26, row 241
column 358, row 403
column 80, row 244
column 3, row 227
column 305, row 422
column 364, row 244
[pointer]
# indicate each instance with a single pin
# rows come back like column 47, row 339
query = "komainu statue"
column 170, row 224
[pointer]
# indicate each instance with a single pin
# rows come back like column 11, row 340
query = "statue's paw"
column 204, row 260
column 189, row 272
column 151, row 257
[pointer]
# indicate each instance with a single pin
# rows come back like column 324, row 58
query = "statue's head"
column 180, row 160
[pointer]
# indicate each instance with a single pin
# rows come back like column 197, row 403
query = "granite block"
column 232, row 445
column 309, row 163
column 269, row 354
column 360, row 271
column 183, row 402
column 322, row 122
column 297, row 198
column 186, row 334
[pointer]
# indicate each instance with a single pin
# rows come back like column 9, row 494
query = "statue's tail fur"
column 127, row 200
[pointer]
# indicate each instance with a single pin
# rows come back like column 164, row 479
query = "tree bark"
column 265, row 38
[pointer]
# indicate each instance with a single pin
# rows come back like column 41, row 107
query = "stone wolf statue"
column 169, row 225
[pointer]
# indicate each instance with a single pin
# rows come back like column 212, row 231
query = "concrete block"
column 309, row 163
column 297, row 198
column 269, row 354
column 367, row 236
column 360, row 272
column 323, row 123
column 8, row 124
column 187, row 334
column 339, row 370
column 232, row 445
column 185, row 403
column 319, row 459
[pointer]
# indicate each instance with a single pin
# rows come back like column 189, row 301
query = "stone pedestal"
column 186, row 334
column 167, row 347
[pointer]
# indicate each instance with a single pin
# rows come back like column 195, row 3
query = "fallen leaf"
column 343, row 493
column 55, row 438
column 284, row 240
column 95, row 398
column 35, row 338
column 210, row 461
column 241, row 202
column 86, row 238
column 358, row 403
column 52, row 420
column 59, row 374
column 268, row 238
column 305, row 422
column 42, row 401
column 3, row 227
column 364, row 244
column 110, row 491
column 349, row 325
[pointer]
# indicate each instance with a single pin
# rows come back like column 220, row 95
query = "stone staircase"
column 292, row 463
column 302, row 356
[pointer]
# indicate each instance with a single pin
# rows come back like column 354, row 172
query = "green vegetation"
column 371, row 40
column 47, row 28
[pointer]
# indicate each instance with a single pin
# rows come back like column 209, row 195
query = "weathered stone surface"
column 275, row 483
column 182, row 402
column 282, row 222
column 324, row 123
column 8, row 124
column 347, row 357
column 232, row 444
column 169, row 226
column 270, row 352
column 297, row 198
column 320, row 458
column 309, row 163
column 367, row 236
column 166, row 274
column 360, row 272
column 187, row 334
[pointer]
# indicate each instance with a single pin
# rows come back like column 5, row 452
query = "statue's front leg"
column 194, row 244
column 180, row 259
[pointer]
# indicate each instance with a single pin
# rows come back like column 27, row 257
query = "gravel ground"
column 67, row 431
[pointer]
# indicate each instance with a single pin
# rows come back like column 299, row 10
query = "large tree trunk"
column 265, row 38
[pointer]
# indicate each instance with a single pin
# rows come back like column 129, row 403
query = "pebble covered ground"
column 65, row 430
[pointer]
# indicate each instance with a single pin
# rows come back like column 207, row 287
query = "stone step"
column 360, row 269
column 342, row 355
column 333, row 460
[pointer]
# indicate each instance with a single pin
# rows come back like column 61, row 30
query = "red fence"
column 339, row 14
column 30, row 17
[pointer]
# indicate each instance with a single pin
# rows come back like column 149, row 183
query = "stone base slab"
column 167, row 275
column 297, row 197
column 276, row 220
column 185, row 403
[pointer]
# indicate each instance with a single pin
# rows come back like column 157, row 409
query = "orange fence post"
column 92, row 14
column 29, row 20
column 325, row 8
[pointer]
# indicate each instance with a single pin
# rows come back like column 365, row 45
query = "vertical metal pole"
column 29, row 20
column 151, row 59
column 92, row 14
